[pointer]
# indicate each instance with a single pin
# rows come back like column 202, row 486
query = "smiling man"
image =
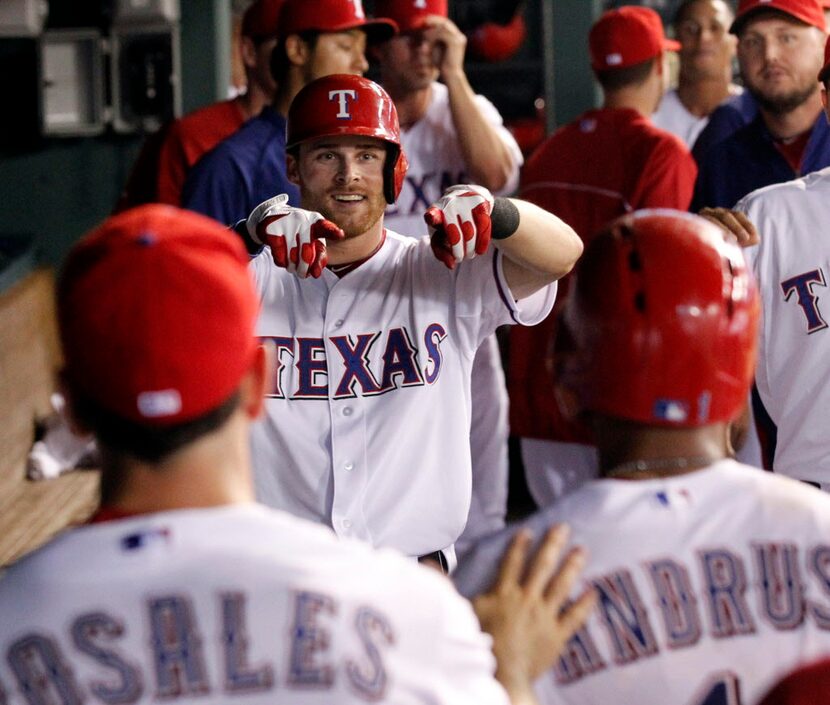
column 376, row 332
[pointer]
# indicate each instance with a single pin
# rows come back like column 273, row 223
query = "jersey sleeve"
column 172, row 168
column 493, row 116
column 483, row 300
column 466, row 663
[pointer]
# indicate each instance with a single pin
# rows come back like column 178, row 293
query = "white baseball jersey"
column 367, row 426
column 791, row 265
column 712, row 585
column 672, row 116
column 435, row 162
column 234, row 604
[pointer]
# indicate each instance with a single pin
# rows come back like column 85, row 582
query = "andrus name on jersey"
column 723, row 602
column 42, row 665
column 398, row 365
column 421, row 191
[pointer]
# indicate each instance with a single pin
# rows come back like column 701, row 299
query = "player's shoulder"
column 773, row 495
column 814, row 187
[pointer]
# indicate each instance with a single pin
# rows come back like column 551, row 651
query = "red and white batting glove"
column 297, row 237
column 459, row 223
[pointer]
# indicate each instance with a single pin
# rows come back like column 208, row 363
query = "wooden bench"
column 32, row 512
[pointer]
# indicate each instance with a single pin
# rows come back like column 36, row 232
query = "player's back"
column 712, row 585
column 606, row 163
column 233, row 603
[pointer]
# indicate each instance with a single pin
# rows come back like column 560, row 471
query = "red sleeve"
column 172, row 167
column 668, row 179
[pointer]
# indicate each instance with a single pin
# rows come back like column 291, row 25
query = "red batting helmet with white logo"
column 663, row 319
column 343, row 104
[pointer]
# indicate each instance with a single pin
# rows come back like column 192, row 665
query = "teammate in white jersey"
column 713, row 577
column 183, row 589
column 375, row 350
column 707, row 51
column 791, row 264
column 450, row 135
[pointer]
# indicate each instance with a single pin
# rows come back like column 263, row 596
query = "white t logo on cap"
column 341, row 96
column 358, row 9
column 613, row 59
column 421, row 4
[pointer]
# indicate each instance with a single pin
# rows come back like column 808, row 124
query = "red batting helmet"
column 663, row 316
column 342, row 104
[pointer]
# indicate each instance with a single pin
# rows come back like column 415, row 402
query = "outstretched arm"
column 539, row 248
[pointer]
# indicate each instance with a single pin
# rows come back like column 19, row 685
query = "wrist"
column 504, row 218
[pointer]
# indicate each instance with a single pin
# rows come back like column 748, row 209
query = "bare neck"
column 412, row 105
column 622, row 443
column 795, row 122
column 701, row 96
column 356, row 248
column 632, row 99
column 210, row 472
column 288, row 88
column 253, row 100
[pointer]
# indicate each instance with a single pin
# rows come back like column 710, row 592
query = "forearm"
column 488, row 159
column 542, row 249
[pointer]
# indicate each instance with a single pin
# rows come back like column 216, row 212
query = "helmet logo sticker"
column 671, row 410
column 342, row 97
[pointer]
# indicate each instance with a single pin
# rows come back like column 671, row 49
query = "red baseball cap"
column 156, row 309
column 260, row 19
column 627, row 36
column 807, row 11
column 332, row 16
column 409, row 15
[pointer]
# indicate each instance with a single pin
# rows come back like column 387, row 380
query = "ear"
column 660, row 63
column 258, row 380
column 297, row 50
column 292, row 168
column 247, row 48
column 70, row 411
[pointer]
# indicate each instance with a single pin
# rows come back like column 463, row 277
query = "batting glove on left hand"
column 459, row 223
column 297, row 237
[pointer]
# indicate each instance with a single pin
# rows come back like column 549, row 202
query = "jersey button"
column 338, row 323
column 347, row 411
column 348, row 466
column 347, row 524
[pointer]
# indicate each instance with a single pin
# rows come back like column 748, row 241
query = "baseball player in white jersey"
column 790, row 263
column 183, row 589
column 450, row 136
column 713, row 577
column 375, row 349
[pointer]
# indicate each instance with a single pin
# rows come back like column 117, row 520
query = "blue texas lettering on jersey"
column 716, row 604
column 177, row 664
column 421, row 191
column 353, row 373
column 802, row 286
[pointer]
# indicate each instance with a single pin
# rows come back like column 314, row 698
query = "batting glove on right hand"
column 297, row 237
column 459, row 223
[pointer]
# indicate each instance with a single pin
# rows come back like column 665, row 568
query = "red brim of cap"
column 671, row 45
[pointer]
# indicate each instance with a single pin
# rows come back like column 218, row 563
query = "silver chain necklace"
column 659, row 464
